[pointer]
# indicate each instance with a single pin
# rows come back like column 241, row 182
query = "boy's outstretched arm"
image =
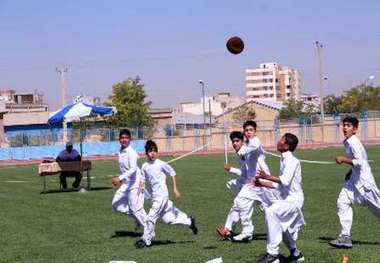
column 262, row 175
column 343, row 159
column 177, row 194
column 232, row 170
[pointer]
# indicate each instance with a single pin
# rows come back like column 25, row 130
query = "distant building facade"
column 272, row 82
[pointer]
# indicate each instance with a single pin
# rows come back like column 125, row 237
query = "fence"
column 37, row 144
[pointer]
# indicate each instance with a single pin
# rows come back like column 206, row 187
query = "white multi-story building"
column 271, row 82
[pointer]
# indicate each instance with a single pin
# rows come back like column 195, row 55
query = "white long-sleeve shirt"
column 291, row 179
column 130, row 172
column 361, row 175
column 155, row 172
column 252, row 159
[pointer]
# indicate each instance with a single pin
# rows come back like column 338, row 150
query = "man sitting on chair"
column 69, row 155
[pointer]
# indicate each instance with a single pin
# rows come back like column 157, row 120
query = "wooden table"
column 53, row 168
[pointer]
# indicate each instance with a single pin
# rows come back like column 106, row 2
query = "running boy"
column 360, row 187
column 284, row 217
column 155, row 172
column 129, row 198
column 242, row 208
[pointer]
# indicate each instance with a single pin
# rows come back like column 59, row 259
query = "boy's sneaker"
column 225, row 233
column 242, row 238
column 268, row 258
column 141, row 244
column 298, row 258
column 342, row 241
column 193, row 225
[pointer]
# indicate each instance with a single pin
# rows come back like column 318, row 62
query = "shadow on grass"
column 210, row 247
column 169, row 242
column 126, row 234
column 55, row 191
column 257, row 236
column 355, row 242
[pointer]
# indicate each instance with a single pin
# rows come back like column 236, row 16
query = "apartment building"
column 272, row 82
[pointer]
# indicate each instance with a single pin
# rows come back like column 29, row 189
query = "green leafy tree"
column 332, row 104
column 361, row 98
column 296, row 109
column 129, row 99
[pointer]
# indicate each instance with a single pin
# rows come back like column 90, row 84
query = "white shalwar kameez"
column 252, row 159
column 155, row 173
column 285, row 217
column 127, row 198
column 360, row 189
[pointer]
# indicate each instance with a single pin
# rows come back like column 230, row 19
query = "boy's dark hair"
column 291, row 140
column 351, row 119
column 236, row 134
column 125, row 132
column 250, row 123
column 150, row 145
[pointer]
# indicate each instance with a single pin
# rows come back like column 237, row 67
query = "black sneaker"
column 193, row 226
column 342, row 241
column 141, row 244
column 268, row 258
column 299, row 258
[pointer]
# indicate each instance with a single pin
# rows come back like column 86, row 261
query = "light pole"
column 62, row 72
column 203, row 101
column 321, row 78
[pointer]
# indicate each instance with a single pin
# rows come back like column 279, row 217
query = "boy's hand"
column 177, row 194
column 115, row 181
column 261, row 174
column 255, row 181
column 227, row 167
column 340, row 159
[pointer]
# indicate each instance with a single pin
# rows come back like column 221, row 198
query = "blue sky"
column 173, row 44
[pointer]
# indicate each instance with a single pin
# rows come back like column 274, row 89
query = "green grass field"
column 82, row 227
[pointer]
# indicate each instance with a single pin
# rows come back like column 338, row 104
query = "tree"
column 245, row 112
column 332, row 104
column 297, row 109
column 129, row 99
column 357, row 99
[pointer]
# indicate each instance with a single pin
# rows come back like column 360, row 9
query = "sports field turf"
column 81, row 227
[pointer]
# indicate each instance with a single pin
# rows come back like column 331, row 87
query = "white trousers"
column 242, row 209
column 165, row 209
column 131, row 203
column 367, row 197
column 283, row 219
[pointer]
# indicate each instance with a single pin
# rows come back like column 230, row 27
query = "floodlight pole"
column 204, row 109
column 62, row 72
column 321, row 80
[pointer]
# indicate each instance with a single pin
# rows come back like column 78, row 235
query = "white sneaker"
column 242, row 238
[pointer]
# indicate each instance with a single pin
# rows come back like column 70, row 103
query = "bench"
column 53, row 168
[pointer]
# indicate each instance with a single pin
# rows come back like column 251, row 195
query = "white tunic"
column 252, row 160
column 291, row 179
column 130, row 172
column 155, row 173
column 361, row 176
column 253, row 154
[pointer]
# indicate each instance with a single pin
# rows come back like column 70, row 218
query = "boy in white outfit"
column 155, row 172
column 129, row 198
column 252, row 159
column 360, row 187
column 284, row 217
